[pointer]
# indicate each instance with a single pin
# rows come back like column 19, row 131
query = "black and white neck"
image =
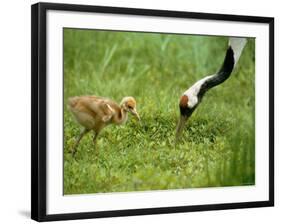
column 193, row 96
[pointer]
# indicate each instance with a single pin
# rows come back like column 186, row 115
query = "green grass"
column 218, row 144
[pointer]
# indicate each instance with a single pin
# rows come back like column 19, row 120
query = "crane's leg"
column 74, row 149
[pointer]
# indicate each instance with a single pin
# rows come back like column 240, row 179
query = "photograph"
column 141, row 111
column 146, row 111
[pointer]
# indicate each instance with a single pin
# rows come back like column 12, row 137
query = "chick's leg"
column 95, row 137
column 95, row 141
column 83, row 132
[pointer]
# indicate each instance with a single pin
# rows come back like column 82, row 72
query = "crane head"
column 185, row 113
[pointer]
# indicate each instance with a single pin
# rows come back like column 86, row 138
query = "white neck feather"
column 237, row 44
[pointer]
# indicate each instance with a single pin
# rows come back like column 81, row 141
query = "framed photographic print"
column 139, row 111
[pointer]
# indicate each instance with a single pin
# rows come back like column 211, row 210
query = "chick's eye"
column 130, row 107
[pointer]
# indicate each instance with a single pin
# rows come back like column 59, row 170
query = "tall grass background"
column 218, row 144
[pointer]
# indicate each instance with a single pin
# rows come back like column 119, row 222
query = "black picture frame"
column 39, row 108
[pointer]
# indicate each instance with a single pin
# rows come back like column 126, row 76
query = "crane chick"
column 95, row 113
column 192, row 97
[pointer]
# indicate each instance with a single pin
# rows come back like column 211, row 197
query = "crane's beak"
column 135, row 113
column 180, row 126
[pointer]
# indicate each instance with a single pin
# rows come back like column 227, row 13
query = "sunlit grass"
column 218, row 144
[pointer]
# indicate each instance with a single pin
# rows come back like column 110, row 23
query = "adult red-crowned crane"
column 95, row 113
column 192, row 97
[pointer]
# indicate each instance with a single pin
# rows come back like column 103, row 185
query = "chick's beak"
column 135, row 113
